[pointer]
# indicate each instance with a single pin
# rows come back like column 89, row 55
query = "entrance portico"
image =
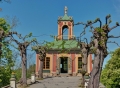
column 63, row 64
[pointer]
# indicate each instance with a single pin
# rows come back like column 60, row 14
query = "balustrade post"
column 13, row 81
column 33, row 79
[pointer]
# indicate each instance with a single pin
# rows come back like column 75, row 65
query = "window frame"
column 45, row 65
column 80, row 59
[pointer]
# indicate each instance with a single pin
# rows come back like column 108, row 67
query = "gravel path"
column 57, row 82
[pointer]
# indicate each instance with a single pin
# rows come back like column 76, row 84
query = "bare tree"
column 41, row 51
column 85, row 51
column 99, row 48
column 85, row 48
column 22, row 47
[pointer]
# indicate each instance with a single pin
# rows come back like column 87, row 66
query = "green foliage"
column 108, row 16
column 4, row 25
column 110, row 21
column 93, row 50
column 6, row 61
column 97, row 19
column 5, row 74
column 83, row 72
column 117, row 23
column 28, row 36
column 110, row 76
column 99, row 30
column 30, row 70
column 18, row 72
column 101, row 33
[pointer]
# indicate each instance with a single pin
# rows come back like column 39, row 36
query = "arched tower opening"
column 65, row 32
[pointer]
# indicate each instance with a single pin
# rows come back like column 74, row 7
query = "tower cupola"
column 65, row 22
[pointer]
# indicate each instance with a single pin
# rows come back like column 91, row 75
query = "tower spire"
column 65, row 9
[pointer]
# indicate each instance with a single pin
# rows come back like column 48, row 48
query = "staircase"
column 64, row 75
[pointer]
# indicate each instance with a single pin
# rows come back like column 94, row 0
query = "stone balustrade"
column 13, row 83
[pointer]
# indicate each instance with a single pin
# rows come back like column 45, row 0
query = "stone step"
column 64, row 75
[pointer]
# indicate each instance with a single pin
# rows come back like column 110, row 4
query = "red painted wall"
column 60, row 24
column 37, row 63
column 54, row 62
column 73, row 62
column 59, row 32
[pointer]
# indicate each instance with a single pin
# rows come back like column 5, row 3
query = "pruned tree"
column 99, row 47
column 85, row 49
column 41, row 51
column 22, row 47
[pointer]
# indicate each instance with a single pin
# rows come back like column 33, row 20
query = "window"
column 79, row 62
column 46, row 63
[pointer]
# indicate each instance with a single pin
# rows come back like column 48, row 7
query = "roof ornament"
column 66, row 9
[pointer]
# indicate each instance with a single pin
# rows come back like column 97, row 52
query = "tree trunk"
column 41, row 69
column 100, row 67
column 84, row 61
column 84, row 64
column 83, row 81
column 24, row 69
column 94, row 79
column 101, row 62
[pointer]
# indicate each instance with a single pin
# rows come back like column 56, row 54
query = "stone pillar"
column 58, row 66
column 69, row 66
column 13, row 81
column 33, row 79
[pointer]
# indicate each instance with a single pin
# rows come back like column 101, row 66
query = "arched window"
column 65, row 32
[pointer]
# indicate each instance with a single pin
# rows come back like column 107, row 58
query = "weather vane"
column 66, row 9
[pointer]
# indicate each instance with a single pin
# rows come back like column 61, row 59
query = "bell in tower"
column 65, row 23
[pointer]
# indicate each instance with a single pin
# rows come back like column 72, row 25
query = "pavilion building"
column 58, row 61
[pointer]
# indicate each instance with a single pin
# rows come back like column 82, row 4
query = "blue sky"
column 40, row 16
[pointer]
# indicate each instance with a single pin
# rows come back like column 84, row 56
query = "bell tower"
column 65, row 22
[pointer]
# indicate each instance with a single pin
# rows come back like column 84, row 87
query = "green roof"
column 63, row 44
column 65, row 17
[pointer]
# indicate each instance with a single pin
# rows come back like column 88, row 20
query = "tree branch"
column 114, row 42
column 100, row 23
column 80, row 23
column 117, row 24
column 89, row 23
column 111, row 36
column 86, row 40
column 14, row 40
column 107, row 17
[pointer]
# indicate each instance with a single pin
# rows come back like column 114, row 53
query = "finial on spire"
column 66, row 9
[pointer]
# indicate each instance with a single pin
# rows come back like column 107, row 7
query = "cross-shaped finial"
column 66, row 9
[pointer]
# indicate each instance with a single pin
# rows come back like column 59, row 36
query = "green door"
column 64, row 65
